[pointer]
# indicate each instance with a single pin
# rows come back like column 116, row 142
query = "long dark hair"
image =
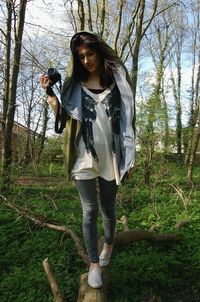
column 108, row 58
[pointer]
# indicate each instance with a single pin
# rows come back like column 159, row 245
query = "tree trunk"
column 194, row 112
column 140, row 32
column 89, row 16
column 166, row 120
column 7, row 65
column 179, row 111
column 11, row 101
column 81, row 15
column 103, row 13
column 154, row 102
column 194, row 149
column 44, row 129
column 119, row 21
column 26, row 157
column 130, row 28
column 176, row 93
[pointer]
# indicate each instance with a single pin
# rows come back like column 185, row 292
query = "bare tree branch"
column 130, row 27
column 1, row 30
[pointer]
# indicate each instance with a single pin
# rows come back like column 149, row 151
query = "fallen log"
column 52, row 281
column 122, row 239
column 125, row 238
column 89, row 294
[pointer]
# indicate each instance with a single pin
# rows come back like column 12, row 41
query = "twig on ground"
column 180, row 224
column 182, row 196
column 124, row 221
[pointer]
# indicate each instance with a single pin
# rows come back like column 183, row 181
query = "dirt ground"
column 40, row 181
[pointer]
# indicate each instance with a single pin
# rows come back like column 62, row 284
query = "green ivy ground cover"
column 139, row 273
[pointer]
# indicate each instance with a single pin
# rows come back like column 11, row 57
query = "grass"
column 167, row 272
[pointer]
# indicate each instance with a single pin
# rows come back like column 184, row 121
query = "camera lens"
column 51, row 72
column 54, row 76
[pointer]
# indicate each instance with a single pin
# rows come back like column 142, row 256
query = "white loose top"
column 86, row 167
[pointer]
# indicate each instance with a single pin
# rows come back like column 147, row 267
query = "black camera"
column 54, row 76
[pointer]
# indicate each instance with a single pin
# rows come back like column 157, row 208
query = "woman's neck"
column 94, row 77
column 93, row 81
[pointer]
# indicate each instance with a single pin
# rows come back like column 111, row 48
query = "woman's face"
column 89, row 58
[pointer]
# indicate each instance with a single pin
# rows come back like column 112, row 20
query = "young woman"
column 99, row 137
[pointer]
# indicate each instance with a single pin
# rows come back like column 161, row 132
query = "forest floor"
column 143, row 272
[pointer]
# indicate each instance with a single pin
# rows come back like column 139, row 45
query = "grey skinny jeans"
column 88, row 194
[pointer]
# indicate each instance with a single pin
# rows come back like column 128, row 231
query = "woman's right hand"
column 45, row 82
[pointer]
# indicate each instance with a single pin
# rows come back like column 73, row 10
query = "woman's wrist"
column 49, row 91
column 51, row 100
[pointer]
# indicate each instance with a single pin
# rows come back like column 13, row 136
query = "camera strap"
column 61, row 118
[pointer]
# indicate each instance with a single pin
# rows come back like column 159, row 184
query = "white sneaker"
column 94, row 277
column 104, row 258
